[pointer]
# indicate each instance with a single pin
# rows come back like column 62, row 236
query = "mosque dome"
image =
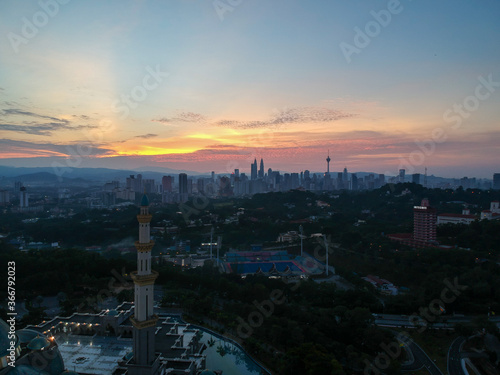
column 207, row 372
column 44, row 358
column 25, row 370
column 4, row 338
column 39, row 343
column 144, row 200
column 26, row 335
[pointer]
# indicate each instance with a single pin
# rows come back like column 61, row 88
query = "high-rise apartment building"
column 167, row 183
column 23, row 198
column 424, row 222
column 4, row 197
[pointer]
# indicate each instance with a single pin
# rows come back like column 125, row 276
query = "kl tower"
column 328, row 163
column 144, row 361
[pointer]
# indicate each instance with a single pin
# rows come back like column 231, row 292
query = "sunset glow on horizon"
column 183, row 85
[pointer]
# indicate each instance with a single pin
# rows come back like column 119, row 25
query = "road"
column 454, row 357
column 405, row 321
column 418, row 359
column 422, row 358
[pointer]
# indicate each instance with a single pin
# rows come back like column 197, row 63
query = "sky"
column 206, row 85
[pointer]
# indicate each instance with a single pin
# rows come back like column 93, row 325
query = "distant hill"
column 47, row 174
column 38, row 177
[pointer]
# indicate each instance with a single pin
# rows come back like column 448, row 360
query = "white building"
column 493, row 213
column 464, row 218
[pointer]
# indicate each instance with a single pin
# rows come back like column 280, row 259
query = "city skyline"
column 213, row 86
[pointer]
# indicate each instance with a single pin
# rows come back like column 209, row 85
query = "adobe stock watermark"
column 372, row 29
column 455, row 116
column 221, row 7
column 460, row 111
column 139, row 93
column 420, row 321
column 30, row 27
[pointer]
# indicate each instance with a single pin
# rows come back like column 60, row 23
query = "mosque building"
column 97, row 343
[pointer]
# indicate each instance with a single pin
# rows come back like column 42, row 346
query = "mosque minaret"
column 145, row 361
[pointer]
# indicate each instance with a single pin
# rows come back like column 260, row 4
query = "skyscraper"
column 345, row 178
column 167, row 182
column 401, row 175
column 496, row 181
column 144, row 320
column 415, row 178
column 354, row 181
column 253, row 170
column 23, row 198
column 261, row 169
column 183, row 187
column 424, row 222
column 381, row 180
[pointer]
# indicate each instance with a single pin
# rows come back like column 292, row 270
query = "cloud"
column 290, row 116
column 10, row 147
column 45, row 129
column 183, row 117
column 14, row 111
column 37, row 127
column 83, row 117
column 42, row 129
column 146, row 136
column 11, row 104
column 296, row 115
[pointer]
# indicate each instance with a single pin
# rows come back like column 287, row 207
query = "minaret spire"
column 144, row 320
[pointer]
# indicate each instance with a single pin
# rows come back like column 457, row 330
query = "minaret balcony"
column 145, row 323
column 143, row 280
column 144, row 219
column 144, row 247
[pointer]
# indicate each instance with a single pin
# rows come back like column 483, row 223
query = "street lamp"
column 211, row 240
column 301, row 230
column 326, row 246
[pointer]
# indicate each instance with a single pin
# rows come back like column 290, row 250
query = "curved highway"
column 422, row 359
column 454, row 357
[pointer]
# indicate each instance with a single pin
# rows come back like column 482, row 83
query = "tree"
column 125, row 295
